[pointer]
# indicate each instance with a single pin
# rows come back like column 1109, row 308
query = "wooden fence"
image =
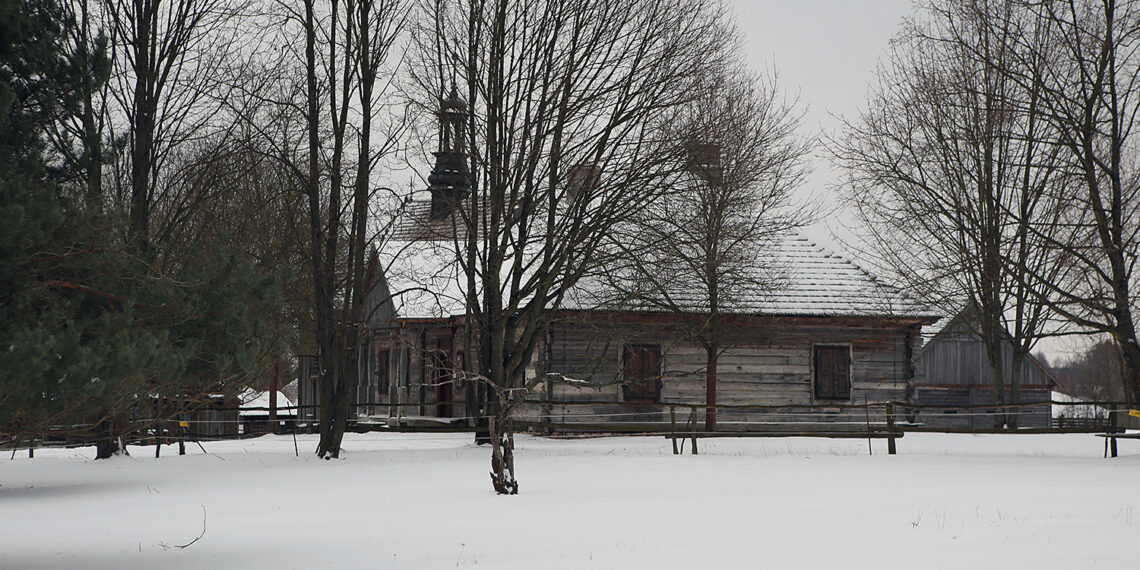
column 679, row 421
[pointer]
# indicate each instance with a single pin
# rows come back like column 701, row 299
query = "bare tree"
column 354, row 38
column 1094, row 374
column 953, row 175
column 168, row 57
column 552, row 87
column 311, row 104
column 704, row 248
column 1087, row 75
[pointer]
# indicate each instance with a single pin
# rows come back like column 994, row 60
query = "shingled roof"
column 810, row 281
column 798, row 276
column 821, row 282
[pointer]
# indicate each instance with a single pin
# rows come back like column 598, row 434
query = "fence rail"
column 884, row 419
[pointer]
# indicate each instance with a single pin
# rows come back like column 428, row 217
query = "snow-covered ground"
column 425, row 501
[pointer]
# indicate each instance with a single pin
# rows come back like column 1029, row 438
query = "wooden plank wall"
column 768, row 365
column 953, row 396
column 953, row 371
column 958, row 358
column 412, row 374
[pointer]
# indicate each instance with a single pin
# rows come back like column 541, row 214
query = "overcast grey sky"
column 826, row 52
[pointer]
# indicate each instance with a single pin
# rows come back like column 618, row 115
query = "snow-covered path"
column 425, row 501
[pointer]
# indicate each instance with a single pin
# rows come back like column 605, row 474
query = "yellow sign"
column 1134, row 413
column 184, row 424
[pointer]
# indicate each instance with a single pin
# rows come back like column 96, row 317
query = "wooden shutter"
column 832, row 373
column 642, row 368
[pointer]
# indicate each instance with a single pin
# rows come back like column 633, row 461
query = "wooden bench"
column 890, row 436
column 1112, row 437
column 874, row 434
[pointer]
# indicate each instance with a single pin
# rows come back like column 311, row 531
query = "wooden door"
column 832, row 373
column 642, row 369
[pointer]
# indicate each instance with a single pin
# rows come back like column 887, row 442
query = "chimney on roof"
column 583, row 181
column 449, row 181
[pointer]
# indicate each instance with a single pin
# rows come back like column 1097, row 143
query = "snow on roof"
column 424, row 278
column 819, row 282
column 813, row 281
column 805, row 279
column 929, row 332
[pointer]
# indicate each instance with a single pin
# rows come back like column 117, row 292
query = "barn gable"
column 953, row 370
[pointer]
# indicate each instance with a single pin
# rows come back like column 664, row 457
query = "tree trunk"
column 502, row 456
column 328, row 447
column 273, row 398
column 336, row 396
column 710, row 386
column 337, row 393
column 480, row 412
column 911, row 392
column 92, row 146
column 1016, row 367
column 91, row 160
column 142, row 122
column 332, row 430
column 993, row 339
column 1130, row 370
column 998, row 388
column 106, row 442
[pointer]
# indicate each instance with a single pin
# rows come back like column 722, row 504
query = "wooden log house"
column 830, row 335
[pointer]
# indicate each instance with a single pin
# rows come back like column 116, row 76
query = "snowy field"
column 425, row 501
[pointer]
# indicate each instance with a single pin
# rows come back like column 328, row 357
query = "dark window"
column 642, row 368
column 832, row 373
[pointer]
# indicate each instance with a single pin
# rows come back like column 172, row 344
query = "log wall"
column 769, row 362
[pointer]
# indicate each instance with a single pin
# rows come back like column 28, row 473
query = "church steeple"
column 449, row 181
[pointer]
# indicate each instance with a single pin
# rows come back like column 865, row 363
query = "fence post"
column 182, row 429
column 890, row 428
column 401, row 399
column 1112, row 428
column 296, row 453
column 673, row 430
column 693, row 419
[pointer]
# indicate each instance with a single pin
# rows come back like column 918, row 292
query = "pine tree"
column 93, row 332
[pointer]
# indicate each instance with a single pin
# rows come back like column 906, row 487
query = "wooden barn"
column 953, row 371
column 830, row 335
